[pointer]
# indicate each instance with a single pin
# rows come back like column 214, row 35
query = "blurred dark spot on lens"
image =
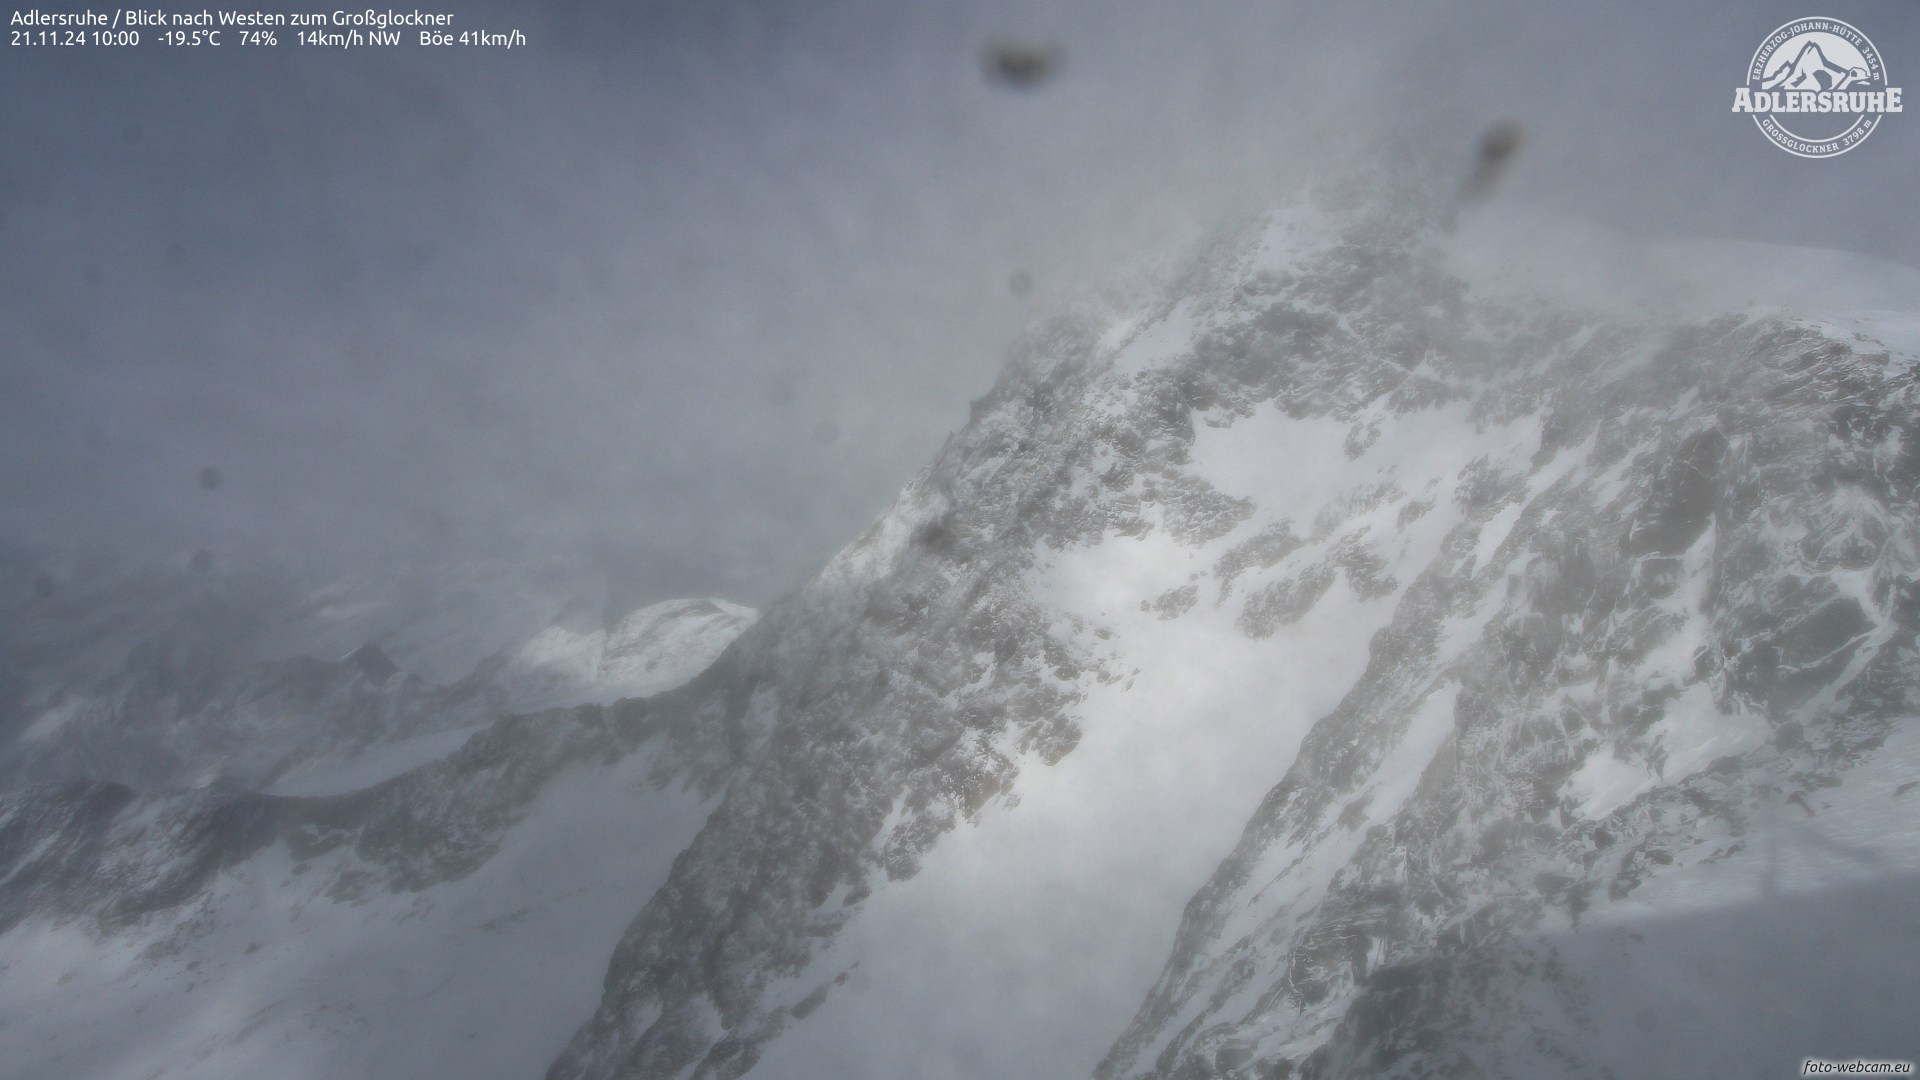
column 1021, row 64
column 1495, row 155
column 934, row 536
column 131, row 134
column 209, row 478
column 176, row 254
column 827, row 431
column 42, row 586
column 93, row 275
column 1020, row 284
column 201, row 562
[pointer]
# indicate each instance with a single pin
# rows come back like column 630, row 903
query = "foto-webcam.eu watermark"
column 1856, row 1067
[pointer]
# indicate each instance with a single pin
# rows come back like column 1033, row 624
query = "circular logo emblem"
column 1817, row 88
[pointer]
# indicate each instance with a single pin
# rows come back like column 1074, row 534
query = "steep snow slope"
column 1061, row 903
column 1523, row 605
column 1684, row 599
column 1799, row 946
column 1553, row 626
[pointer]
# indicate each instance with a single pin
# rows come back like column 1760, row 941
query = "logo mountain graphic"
column 1811, row 70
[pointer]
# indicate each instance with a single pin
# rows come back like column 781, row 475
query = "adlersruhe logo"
column 1817, row 87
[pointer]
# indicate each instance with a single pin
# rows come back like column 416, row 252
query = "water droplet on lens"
column 1021, row 64
column 1493, row 157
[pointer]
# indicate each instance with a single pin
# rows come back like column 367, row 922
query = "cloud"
column 598, row 298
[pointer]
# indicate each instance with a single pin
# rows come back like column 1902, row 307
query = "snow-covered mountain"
column 644, row 652
column 1362, row 659
column 396, row 889
column 259, row 674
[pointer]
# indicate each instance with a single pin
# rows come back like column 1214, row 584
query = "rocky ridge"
column 1518, row 613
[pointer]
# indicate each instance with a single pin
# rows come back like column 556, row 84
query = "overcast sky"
column 683, row 292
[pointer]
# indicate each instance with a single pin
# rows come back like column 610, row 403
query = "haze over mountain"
column 1384, row 646
column 672, row 301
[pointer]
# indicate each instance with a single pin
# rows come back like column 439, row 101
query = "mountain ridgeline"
column 1332, row 666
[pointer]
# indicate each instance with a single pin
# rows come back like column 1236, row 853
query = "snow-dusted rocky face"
column 1484, row 661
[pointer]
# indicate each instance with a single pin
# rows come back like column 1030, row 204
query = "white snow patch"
column 378, row 766
column 1021, row 946
column 646, row 652
column 1166, row 338
column 1399, row 773
column 1603, row 783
